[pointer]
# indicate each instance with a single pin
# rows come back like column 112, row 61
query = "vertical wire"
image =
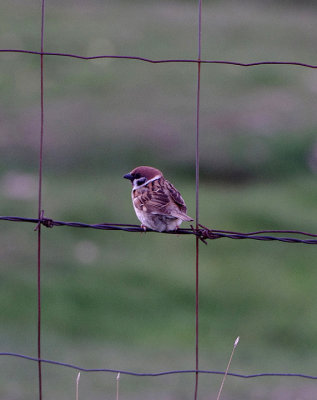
column 197, row 204
column 40, row 208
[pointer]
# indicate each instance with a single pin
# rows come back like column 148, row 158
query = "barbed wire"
column 161, row 373
column 203, row 233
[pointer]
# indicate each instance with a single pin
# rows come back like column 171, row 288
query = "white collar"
column 150, row 180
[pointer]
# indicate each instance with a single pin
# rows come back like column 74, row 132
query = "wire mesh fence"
column 200, row 232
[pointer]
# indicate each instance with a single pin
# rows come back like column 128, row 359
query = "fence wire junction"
column 200, row 232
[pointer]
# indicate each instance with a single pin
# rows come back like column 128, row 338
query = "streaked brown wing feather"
column 176, row 196
column 155, row 203
column 160, row 197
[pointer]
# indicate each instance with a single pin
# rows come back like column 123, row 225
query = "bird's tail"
column 184, row 217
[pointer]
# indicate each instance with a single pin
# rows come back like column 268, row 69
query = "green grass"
column 137, row 291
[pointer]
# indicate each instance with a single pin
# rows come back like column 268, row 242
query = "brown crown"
column 147, row 172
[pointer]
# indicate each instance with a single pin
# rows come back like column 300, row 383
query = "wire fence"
column 162, row 373
column 161, row 61
column 201, row 232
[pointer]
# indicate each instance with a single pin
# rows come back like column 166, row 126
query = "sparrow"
column 157, row 204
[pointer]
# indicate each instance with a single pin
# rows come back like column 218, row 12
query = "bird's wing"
column 178, row 201
column 160, row 197
column 176, row 196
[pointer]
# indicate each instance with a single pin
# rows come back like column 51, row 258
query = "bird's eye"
column 141, row 181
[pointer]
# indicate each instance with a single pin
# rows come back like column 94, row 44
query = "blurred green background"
column 120, row 300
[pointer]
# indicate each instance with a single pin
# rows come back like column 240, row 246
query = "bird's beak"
column 128, row 176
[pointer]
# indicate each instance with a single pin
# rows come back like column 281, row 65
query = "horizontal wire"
column 203, row 232
column 154, row 374
column 161, row 61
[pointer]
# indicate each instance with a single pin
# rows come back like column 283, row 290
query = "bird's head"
column 140, row 176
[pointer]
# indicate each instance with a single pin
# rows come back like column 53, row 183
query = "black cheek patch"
column 141, row 181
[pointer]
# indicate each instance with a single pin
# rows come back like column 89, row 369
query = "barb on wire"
column 160, row 61
column 154, row 374
column 203, row 233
